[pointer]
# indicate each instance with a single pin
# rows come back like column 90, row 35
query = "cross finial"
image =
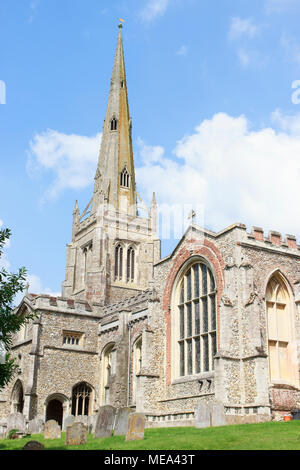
column 192, row 215
column 26, row 288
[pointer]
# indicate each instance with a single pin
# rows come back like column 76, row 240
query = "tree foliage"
column 10, row 322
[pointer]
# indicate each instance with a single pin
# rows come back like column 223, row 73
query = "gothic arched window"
column 107, row 369
column 194, row 321
column 81, row 399
column 279, row 315
column 113, row 124
column 130, row 264
column 118, row 262
column 137, row 365
column 125, row 178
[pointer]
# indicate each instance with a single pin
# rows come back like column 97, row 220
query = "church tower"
column 113, row 249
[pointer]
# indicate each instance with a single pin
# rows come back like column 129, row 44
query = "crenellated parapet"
column 274, row 240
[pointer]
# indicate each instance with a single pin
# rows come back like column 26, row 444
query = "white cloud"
column 183, row 50
column 72, row 159
column 154, row 9
column 240, row 175
column 149, row 154
column 278, row 6
column 242, row 27
column 291, row 47
column 35, row 287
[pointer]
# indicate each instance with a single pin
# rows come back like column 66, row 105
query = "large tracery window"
column 195, row 324
column 81, row 399
column 278, row 303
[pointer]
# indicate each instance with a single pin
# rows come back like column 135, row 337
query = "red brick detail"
column 209, row 252
column 53, row 301
column 291, row 241
column 70, row 303
column 88, row 307
column 275, row 238
column 258, row 234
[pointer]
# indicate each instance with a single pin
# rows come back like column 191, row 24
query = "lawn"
column 263, row 436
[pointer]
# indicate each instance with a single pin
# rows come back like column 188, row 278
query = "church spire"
column 115, row 176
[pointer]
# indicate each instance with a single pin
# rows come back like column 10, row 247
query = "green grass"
column 263, row 436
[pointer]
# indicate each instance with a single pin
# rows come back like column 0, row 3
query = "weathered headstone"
column 76, row 434
column 202, row 415
column 81, row 419
column 16, row 421
column 68, row 421
column 35, row 426
column 92, row 423
column 217, row 414
column 136, row 426
column 121, row 422
column 3, row 428
column 105, row 421
column 34, row 445
column 52, row 430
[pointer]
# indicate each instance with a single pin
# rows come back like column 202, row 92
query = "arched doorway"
column 55, row 411
column 17, row 398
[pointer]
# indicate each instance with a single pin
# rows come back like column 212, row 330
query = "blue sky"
column 211, row 98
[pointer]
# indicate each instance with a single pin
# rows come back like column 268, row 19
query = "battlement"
column 274, row 238
column 62, row 304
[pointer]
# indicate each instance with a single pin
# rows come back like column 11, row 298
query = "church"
column 215, row 321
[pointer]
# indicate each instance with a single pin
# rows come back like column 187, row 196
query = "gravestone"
column 76, row 434
column 217, row 414
column 3, row 428
column 68, row 421
column 136, row 426
column 81, row 419
column 16, row 421
column 92, row 423
column 35, row 426
column 52, row 430
column 34, row 445
column 105, row 421
column 202, row 415
column 121, row 422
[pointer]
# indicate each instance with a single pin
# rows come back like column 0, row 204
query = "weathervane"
column 122, row 21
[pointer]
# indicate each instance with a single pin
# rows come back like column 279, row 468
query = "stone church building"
column 216, row 320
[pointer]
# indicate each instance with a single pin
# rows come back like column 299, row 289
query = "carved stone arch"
column 56, row 407
column 281, row 275
column 186, row 265
column 17, row 397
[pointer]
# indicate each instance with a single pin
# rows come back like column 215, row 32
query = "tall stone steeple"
column 113, row 248
column 115, row 176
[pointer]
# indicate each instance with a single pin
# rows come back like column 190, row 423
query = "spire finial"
column 121, row 21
